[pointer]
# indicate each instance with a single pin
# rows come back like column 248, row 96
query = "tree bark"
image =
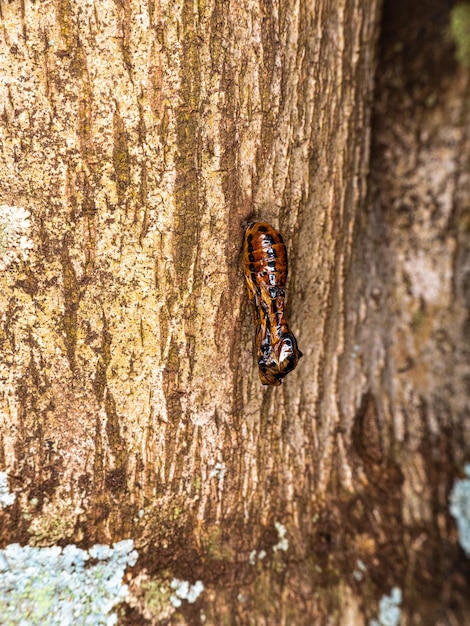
column 136, row 140
column 411, row 434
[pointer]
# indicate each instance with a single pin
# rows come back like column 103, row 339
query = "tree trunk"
column 137, row 138
column 411, row 273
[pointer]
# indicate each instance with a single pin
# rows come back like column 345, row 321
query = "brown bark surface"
column 412, row 434
column 136, row 139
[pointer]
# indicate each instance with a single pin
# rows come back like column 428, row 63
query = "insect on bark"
column 265, row 270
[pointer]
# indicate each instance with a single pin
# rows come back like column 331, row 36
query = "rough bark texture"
column 139, row 136
column 415, row 252
column 411, row 434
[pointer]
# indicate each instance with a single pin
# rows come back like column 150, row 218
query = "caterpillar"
column 265, row 270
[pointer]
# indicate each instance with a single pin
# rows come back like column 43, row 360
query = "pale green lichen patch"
column 460, row 509
column 158, row 599
column 460, row 31
column 155, row 600
column 183, row 590
column 6, row 498
column 63, row 585
column 389, row 609
column 53, row 523
column 283, row 543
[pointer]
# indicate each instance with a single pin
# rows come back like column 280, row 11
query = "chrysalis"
column 265, row 269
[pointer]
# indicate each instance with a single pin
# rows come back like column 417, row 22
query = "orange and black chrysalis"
column 265, row 269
